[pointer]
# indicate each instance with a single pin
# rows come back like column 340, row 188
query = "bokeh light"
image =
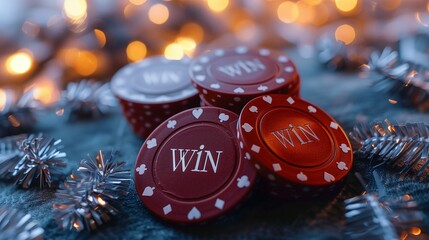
column 19, row 63
column 345, row 33
column 218, row 5
column 174, row 51
column 136, row 51
column 101, row 37
column 415, row 231
column 137, row 2
column 188, row 45
column 158, row 13
column 85, row 63
column 75, row 9
column 288, row 12
column 192, row 30
column 346, row 5
column 3, row 99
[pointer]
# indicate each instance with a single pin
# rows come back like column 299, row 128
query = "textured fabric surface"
column 345, row 96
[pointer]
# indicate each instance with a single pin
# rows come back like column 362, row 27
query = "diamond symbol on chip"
column 276, row 167
column 219, row 203
column 247, row 127
column 290, row 100
column 141, row 169
column 167, row 209
column 255, row 148
column 344, row 148
column 243, row 181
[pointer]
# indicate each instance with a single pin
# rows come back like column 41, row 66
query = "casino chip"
column 152, row 90
column 293, row 143
column 231, row 77
column 190, row 169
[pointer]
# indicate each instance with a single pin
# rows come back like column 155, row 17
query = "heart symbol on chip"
column 262, row 88
column 301, row 177
column 148, row 191
column 215, row 85
column 239, row 90
column 328, row 177
column 171, row 123
column 311, row 109
column 197, row 112
column 247, row 127
column 243, row 181
column 151, row 143
column 194, row 214
column 200, row 78
column 223, row 117
column 253, row 109
column 280, row 80
column 268, row 99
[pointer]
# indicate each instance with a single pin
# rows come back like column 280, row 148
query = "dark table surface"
column 345, row 96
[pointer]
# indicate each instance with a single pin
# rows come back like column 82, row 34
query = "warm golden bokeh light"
column 45, row 91
column 188, row 45
column 137, row 2
column 288, row 12
column 101, row 37
column 174, row 51
column 345, row 33
column 158, row 13
column 313, row 2
column 346, row 5
column 415, row 231
column 306, row 12
column 86, row 63
column 136, row 51
column 75, row 9
column 19, row 63
column 218, row 5
column 3, row 99
column 192, row 30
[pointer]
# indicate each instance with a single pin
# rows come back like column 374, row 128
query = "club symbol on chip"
column 344, row 148
column 194, row 214
column 197, row 112
column 301, row 177
column 148, row 191
column 141, row 169
column 262, row 88
column 253, row 109
column 223, row 117
column 171, row 123
column 243, row 181
column 342, row 166
column 268, row 99
column 151, row 143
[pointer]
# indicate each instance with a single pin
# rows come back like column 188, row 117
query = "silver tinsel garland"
column 87, row 99
column 402, row 146
column 42, row 158
column 17, row 225
column 85, row 198
column 9, row 155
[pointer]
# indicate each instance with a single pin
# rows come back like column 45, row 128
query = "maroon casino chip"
column 191, row 169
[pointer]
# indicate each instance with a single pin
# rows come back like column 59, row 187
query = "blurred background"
column 45, row 44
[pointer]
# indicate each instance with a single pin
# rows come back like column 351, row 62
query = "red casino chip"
column 234, row 76
column 190, row 169
column 291, row 141
column 152, row 90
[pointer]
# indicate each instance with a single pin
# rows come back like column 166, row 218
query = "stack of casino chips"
column 229, row 78
column 152, row 90
column 197, row 163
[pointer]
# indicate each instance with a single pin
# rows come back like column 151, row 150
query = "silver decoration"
column 369, row 217
column 16, row 114
column 17, row 225
column 85, row 198
column 42, row 158
column 403, row 146
column 88, row 99
column 391, row 75
column 9, row 155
